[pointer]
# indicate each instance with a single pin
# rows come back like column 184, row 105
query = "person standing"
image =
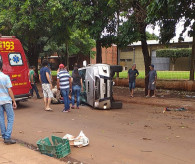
column 132, row 74
column 152, row 80
column 76, row 87
column 32, row 80
column 64, row 84
column 6, row 98
column 45, row 79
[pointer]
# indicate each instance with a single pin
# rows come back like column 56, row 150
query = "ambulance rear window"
column 15, row 59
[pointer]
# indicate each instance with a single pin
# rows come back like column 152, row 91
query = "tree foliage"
column 167, row 13
column 38, row 23
column 174, row 54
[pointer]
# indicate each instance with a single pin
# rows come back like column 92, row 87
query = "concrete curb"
column 18, row 154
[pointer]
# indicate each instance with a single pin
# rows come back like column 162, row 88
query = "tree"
column 174, row 54
column 79, row 43
column 150, row 36
column 134, row 29
column 99, row 13
column 37, row 22
column 167, row 13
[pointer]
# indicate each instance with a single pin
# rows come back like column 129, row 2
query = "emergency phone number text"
column 6, row 45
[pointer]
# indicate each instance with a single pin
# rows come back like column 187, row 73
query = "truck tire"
column 116, row 68
column 116, row 105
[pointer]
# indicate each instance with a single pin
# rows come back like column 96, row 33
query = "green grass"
column 54, row 73
column 165, row 75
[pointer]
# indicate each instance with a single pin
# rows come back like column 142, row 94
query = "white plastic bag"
column 69, row 137
column 81, row 140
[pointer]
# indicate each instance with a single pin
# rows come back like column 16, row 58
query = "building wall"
column 127, row 57
column 109, row 56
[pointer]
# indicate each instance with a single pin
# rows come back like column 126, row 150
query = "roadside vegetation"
column 164, row 75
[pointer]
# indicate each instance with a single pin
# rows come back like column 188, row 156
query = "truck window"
column 0, row 58
column 15, row 59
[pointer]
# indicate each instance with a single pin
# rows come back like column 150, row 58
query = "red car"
column 15, row 65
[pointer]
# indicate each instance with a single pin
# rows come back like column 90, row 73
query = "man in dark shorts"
column 132, row 74
column 152, row 80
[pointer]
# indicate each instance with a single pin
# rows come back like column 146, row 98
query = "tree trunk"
column 173, row 67
column 147, row 58
column 192, row 61
column 98, row 52
column 118, row 60
column 67, row 57
column 33, row 55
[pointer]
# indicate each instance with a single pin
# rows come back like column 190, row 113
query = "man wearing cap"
column 6, row 98
column 45, row 79
column 152, row 80
column 64, row 84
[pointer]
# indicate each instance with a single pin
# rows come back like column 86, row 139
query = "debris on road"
column 80, row 141
column 146, row 139
column 172, row 109
column 70, row 138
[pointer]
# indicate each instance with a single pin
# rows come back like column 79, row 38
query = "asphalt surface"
column 136, row 134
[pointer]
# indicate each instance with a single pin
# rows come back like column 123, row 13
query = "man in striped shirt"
column 64, row 84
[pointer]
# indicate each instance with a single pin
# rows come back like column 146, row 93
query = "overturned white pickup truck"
column 97, row 83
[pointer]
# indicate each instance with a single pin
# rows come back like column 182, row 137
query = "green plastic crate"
column 60, row 147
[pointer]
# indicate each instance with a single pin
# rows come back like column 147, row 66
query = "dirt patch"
column 185, row 85
column 164, row 98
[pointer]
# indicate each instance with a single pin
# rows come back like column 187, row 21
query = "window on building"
column 125, row 60
column 128, row 60
column 127, row 49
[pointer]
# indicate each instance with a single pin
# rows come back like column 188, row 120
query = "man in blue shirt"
column 6, row 98
column 45, row 79
column 64, row 84
column 132, row 74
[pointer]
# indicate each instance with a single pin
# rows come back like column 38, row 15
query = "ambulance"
column 15, row 65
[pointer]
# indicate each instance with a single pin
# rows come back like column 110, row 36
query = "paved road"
column 136, row 134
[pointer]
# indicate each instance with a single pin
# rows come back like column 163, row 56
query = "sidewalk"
column 18, row 154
